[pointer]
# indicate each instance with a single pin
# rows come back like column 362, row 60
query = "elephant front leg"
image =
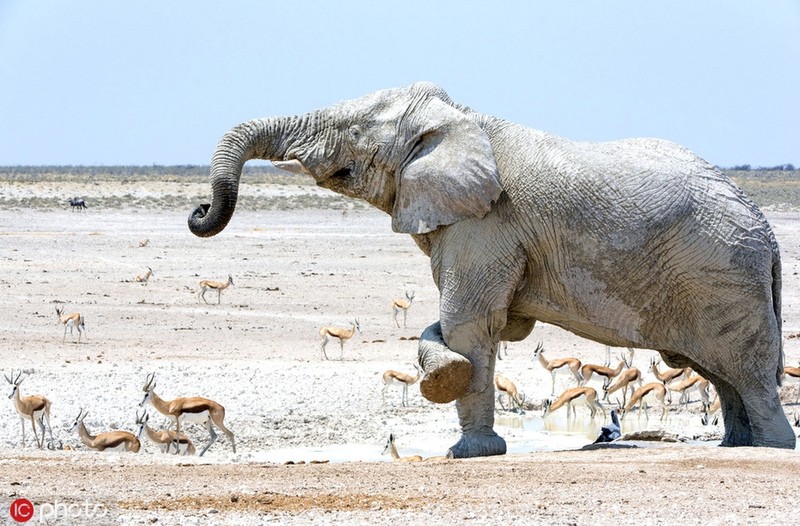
column 452, row 376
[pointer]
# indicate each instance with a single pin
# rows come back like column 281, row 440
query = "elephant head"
column 410, row 152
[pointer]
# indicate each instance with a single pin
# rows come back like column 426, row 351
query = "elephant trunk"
column 256, row 139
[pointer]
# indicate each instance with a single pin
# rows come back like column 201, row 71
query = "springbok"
column 711, row 412
column 219, row 286
column 792, row 374
column 558, row 366
column 143, row 278
column 685, row 388
column 404, row 305
column 392, row 377
column 164, row 439
column 589, row 370
column 191, row 410
column 504, row 385
column 392, row 448
column 35, row 408
column 111, row 440
column 669, row 375
column 71, row 321
column 625, row 381
column 588, row 394
column 654, row 391
column 502, row 349
column 337, row 332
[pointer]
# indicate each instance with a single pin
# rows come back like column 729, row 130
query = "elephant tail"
column 776, row 304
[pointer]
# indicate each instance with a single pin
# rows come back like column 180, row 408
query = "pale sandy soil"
column 257, row 353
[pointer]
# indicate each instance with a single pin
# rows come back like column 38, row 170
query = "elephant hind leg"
column 751, row 408
column 738, row 430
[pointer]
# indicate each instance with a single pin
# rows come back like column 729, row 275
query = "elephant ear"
column 451, row 174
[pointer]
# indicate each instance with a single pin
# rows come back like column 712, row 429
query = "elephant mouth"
column 340, row 180
column 342, row 174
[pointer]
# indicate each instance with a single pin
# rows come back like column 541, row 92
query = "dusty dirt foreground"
column 257, row 353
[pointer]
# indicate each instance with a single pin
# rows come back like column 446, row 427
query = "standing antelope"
column 404, row 305
column 142, row 278
column 71, row 321
column 502, row 349
column 608, row 374
column 588, row 394
column 504, row 385
column 653, row 391
column 219, row 286
column 792, row 374
column 337, row 332
column 36, row 408
column 164, row 439
column 625, row 381
column 191, row 410
column 391, row 377
column 685, row 388
column 395, row 455
column 112, row 440
column 668, row 376
column 558, row 366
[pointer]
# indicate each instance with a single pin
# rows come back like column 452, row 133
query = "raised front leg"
column 451, row 376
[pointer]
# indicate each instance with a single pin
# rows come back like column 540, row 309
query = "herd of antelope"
column 666, row 388
column 622, row 380
column 36, row 410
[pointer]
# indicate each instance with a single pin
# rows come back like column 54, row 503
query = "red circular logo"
column 21, row 510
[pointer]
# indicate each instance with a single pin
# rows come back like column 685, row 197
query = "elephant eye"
column 355, row 132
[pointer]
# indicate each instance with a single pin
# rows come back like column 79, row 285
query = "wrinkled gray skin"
column 634, row 243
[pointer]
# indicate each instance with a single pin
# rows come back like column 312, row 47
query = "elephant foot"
column 759, row 421
column 485, row 444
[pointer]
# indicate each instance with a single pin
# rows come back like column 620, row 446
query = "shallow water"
column 523, row 434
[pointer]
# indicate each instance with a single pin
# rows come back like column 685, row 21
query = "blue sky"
column 159, row 82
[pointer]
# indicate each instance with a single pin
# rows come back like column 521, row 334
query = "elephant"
column 631, row 243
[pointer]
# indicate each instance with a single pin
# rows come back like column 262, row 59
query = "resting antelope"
column 668, row 376
column 71, row 321
column 589, row 370
column 219, row 286
column 404, row 305
column 792, row 374
column 35, row 408
column 392, row 377
column 390, row 446
column 111, row 441
column 191, row 410
column 685, row 388
column 558, row 366
column 143, row 278
column 337, row 332
column 625, row 381
column 568, row 397
column 654, row 392
column 504, row 385
column 164, row 439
